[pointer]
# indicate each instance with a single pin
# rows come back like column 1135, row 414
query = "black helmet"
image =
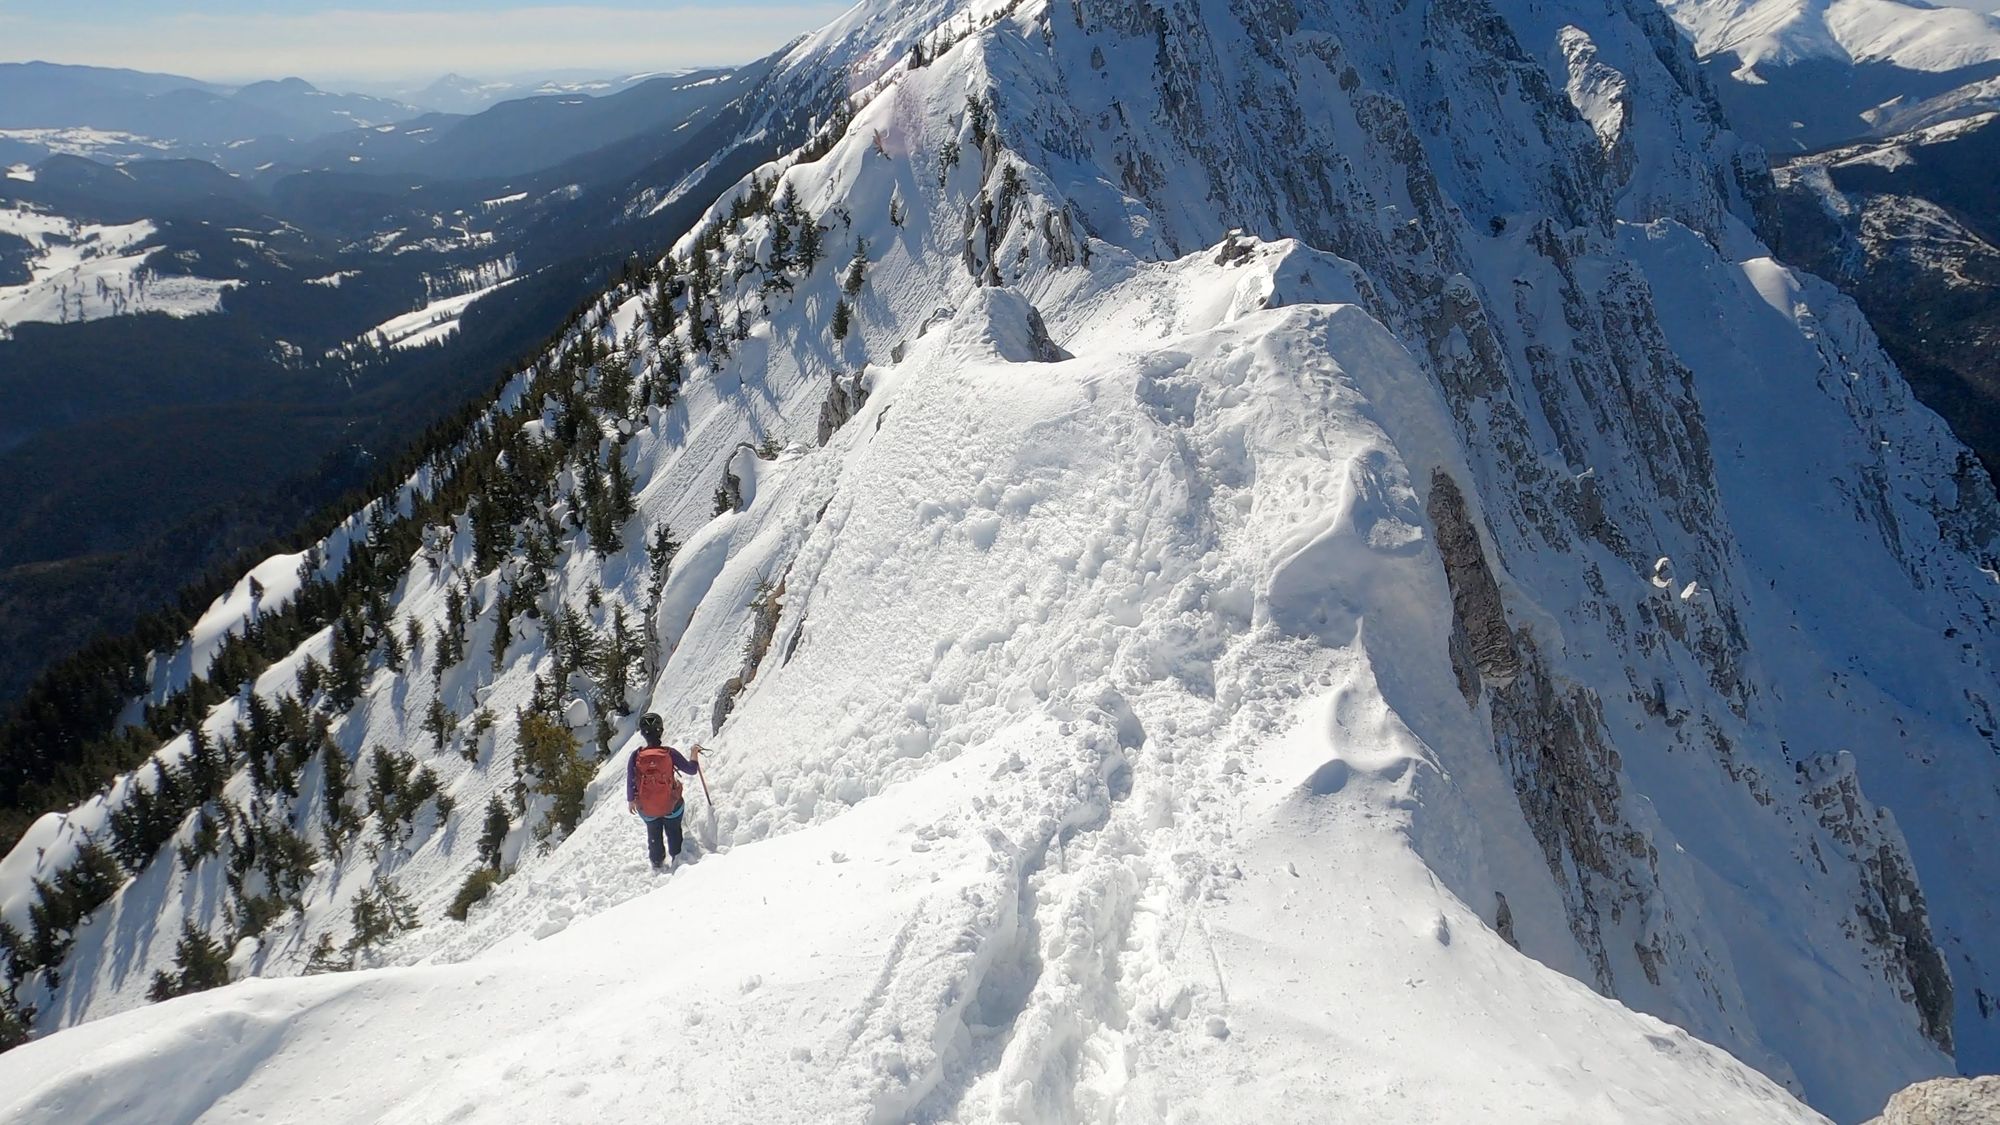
column 652, row 727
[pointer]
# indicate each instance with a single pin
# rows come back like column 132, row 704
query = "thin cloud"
column 372, row 45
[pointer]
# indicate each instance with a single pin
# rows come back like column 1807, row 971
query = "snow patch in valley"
column 438, row 320
column 87, row 271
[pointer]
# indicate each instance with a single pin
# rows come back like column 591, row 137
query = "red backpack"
column 659, row 782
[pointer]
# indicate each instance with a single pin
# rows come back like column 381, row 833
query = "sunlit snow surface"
column 1076, row 844
column 1915, row 36
column 1109, row 762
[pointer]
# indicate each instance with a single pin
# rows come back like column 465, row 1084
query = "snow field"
column 1064, row 849
column 1121, row 685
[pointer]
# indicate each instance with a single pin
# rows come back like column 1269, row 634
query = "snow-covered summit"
column 1254, row 576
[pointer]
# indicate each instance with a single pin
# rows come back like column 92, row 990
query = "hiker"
column 653, row 790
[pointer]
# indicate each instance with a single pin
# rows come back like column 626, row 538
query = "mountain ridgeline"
column 1206, row 538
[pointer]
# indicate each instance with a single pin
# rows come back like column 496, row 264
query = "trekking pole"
column 708, row 801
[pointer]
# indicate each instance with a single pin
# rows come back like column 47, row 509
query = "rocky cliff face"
column 1908, row 224
column 1572, row 310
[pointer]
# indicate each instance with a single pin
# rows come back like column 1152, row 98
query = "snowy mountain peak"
column 1201, row 542
column 1915, row 36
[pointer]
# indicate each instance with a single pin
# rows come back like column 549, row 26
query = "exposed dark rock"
column 844, row 400
column 1477, row 611
column 1890, row 911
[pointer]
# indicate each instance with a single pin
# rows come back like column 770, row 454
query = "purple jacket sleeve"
column 632, row 777
column 680, row 763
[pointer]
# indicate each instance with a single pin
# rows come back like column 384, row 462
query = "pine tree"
column 337, row 775
column 325, row 958
column 948, row 154
column 503, row 633
column 660, row 558
column 439, row 722
column 200, row 963
column 493, row 835
column 857, row 268
column 810, row 249
column 380, row 913
column 482, row 721
column 781, row 243
column 203, row 769
column 548, row 759
column 205, row 840
column 451, row 642
column 620, row 650
column 697, row 325
column 148, row 818
column 347, row 671
column 13, row 952
column 312, row 674
column 13, row 1024
column 843, row 317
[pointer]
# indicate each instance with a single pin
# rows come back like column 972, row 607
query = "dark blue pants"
column 670, row 826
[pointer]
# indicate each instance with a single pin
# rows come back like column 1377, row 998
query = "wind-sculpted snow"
column 1316, row 586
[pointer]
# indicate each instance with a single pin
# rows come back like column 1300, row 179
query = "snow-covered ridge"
column 1124, row 611
column 1915, row 36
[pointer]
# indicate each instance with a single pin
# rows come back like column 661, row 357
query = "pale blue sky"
column 378, row 40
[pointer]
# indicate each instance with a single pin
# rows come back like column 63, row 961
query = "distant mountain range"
column 1803, row 74
column 185, row 113
column 187, row 307
column 455, row 93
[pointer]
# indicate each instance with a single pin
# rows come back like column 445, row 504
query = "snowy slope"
column 1211, row 676
column 1030, row 830
column 1915, row 36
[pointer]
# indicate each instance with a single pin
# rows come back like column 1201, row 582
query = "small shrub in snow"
column 483, row 721
column 326, row 958
column 948, row 154
column 474, row 890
